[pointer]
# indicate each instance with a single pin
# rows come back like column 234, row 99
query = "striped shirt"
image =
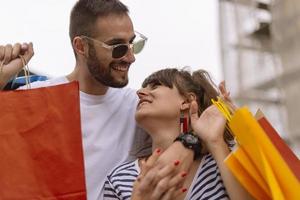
column 207, row 183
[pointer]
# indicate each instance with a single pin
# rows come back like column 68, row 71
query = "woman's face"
column 158, row 102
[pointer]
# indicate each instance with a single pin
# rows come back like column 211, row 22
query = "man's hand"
column 10, row 61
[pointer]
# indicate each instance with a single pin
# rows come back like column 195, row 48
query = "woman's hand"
column 209, row 126
column 225, row 95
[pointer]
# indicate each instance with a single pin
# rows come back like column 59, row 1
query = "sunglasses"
column 120, row 50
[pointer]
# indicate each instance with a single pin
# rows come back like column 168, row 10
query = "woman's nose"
column 141, row 92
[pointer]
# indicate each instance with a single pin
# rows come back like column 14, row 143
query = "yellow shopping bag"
column 257, row 162
column 250, row 135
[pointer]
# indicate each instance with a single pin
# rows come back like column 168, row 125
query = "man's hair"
column 85, row 13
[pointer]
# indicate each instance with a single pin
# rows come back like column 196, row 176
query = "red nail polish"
column 176, row 162
column 183, row 190
column 158, row 151
column 183, row 174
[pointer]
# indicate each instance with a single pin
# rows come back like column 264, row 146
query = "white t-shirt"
column 108, row 131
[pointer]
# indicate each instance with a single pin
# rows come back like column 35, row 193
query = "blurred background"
column 260, row 43
column 251, row 44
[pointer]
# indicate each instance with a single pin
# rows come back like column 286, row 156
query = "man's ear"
column 80, row 47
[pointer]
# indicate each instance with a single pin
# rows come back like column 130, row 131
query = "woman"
column 165, row 97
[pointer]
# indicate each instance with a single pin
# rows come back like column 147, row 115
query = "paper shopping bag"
column 245, row 172
column 284, row 150
column 265, row 156
column 41, row 153
column 262, row 162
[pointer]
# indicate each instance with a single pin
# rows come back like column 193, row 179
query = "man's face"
column 109, row 71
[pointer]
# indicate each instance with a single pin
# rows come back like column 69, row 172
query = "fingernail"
column 24, row 46
column 158, row 151
column 176, row 162
column 183, row 174
column 183, row 190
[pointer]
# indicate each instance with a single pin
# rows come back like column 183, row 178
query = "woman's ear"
column 192, row 97
column 187, row 102
column 185, row 105
column 79, row 45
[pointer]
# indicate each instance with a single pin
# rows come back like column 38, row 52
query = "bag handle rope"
column 26, row 71
column 226, row 109
column 1, row 67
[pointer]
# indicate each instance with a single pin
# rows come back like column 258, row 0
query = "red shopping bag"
column 40, row 144
column 286, row 153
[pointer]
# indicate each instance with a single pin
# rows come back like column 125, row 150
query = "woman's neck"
column 162, row 133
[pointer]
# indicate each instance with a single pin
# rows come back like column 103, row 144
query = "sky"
column 180, row 33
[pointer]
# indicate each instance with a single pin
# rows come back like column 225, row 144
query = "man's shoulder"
column 126, row 90
column 46, row 83
column 125, row 93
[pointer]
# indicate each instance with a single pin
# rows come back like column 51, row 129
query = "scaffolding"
column 259, row 48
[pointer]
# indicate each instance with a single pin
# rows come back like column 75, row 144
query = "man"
column 103, row 40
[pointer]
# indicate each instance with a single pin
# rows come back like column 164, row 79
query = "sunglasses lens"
column 119, row 51
column 138, row 46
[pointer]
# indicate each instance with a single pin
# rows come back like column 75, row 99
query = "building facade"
column 260, row 40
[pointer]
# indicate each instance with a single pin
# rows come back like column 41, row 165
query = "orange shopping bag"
column 40, row 144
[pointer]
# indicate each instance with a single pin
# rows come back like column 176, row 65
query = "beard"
column 102, row 73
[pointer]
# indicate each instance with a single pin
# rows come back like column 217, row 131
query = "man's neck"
column 87, row 84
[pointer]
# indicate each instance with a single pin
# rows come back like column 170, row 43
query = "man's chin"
column 119, row 84
column 115, row 83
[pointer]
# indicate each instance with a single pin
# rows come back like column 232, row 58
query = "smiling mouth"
column 145, row 102
column 142, row 102
column 121, row 68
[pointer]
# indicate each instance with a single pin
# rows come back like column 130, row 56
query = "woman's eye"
column 154, row 86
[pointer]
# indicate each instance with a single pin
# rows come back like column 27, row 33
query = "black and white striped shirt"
column 207, row 183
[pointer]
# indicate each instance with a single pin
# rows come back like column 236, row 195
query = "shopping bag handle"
column 26, row 72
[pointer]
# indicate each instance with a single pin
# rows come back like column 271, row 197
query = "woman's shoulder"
column 124, row 170
column 119, row 183
column 208, row 183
